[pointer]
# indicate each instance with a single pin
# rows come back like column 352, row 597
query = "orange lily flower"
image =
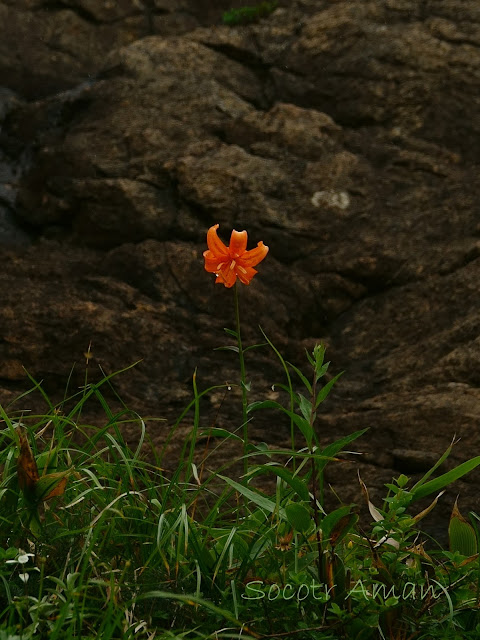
column 234, row 261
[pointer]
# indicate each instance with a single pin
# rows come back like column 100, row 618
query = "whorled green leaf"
column 342, row 527
column 461, row 534
column 440, row 461
column 336, row 524
column 34, row 523
column 9, row 498
column 334, row 576
column 445, row 479
column 255, row 346
column 374, row 512
column 296, row 483
column 51, row 485
column 280, row 385
column 427, row 510
column 298, row 516
column 264, row 404
column 217, row 432
column 301, row 376
column 332, row 449
column 193, row 600
column 48, row 459
column 318, row 356
column 257, row 498
column 255, row 449
column 305, row 407
column 204, row 556
column 323, row 393
column 303, row 424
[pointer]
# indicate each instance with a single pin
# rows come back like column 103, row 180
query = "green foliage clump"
column 246, row 15
column 99, row 539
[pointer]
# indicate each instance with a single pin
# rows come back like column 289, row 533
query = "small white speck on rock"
column 335, row 199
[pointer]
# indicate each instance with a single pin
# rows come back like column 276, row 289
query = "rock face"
column 343, row 134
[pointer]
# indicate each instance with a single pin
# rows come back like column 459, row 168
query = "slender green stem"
column 290, row 391
column 193, row 436
column 243, row 382
column 314, row 484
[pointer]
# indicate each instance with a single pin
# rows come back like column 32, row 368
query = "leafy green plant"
column 245, row 15
column 122, row 538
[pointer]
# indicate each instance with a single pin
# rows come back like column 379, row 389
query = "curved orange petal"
column 254, row 256
column 214, row 243
column 238, row 243
column 228, row 275
column 247, row 276
column 211, row 262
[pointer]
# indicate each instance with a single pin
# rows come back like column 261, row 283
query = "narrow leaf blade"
column 445, row 479
column 261, row 501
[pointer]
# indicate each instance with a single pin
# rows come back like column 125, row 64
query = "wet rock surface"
column 343, row 134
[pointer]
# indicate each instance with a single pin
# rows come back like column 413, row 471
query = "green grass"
column 130, row 550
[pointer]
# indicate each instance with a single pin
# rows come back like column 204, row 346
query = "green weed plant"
column 246, row 15
column 100, row 541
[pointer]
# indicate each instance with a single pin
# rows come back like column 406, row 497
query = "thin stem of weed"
column 205, row 454
column 243, row 382
column 291, row 396
column 193, row 436
column 314, row 483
